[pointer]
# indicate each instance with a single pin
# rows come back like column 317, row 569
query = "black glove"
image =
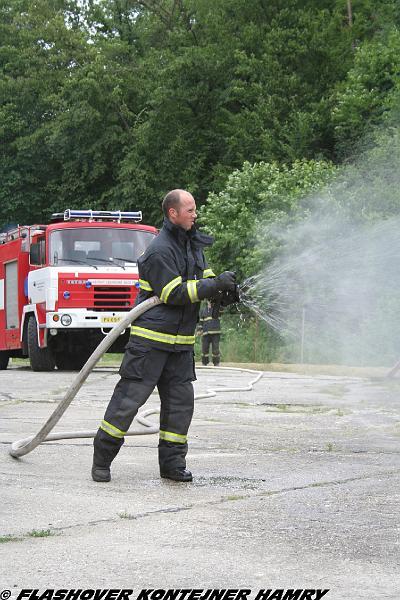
column 230, row 297
column 226, row 281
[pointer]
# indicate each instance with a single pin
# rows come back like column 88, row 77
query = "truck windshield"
column 98, row 245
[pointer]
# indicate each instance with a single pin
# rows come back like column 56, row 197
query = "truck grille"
column 113, row 297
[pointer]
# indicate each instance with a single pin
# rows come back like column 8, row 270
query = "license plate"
column 110, row 319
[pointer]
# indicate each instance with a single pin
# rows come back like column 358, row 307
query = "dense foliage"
column 255, row 199
column 262, row 109
column 108, row 104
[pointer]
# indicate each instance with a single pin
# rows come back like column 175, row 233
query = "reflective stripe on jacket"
column 174, row 269
column 207, row 324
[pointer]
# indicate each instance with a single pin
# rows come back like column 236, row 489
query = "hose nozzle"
column 223, row 299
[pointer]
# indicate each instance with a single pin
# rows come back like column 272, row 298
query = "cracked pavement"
column 296, row 485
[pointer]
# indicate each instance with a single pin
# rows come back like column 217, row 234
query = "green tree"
column 110, row 104
column 38, row 53
column 257, row 200
column 228, row 82
column 361, row 102
column 368, row 190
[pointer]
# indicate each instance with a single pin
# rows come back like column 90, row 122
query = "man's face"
column 185, row 215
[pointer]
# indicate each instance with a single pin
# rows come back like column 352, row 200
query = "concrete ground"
column 296, row 486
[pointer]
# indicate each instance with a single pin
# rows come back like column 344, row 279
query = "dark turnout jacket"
column 209, row 324
column 174, row 269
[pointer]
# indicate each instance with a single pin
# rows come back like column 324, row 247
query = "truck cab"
column 67, row 283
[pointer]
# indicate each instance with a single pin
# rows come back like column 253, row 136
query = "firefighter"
column 210, row 331
column 160, row 350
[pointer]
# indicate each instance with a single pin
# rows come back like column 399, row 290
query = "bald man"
column 160, row 350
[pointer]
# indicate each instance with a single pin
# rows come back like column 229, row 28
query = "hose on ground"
column 26, row 445
column 22, row 447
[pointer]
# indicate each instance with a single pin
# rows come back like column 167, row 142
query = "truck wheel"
column 4, row 358
column 41, row 359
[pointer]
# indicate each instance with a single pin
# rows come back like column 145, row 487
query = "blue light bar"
column 111, row 215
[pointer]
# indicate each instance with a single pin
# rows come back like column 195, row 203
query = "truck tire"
column 41, row 359
column 4, row 358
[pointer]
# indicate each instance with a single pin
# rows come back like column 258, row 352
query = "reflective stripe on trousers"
column 142, row 369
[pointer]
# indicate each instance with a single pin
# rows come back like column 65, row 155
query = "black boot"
column 101, row 474
column 172, row 461
column 106, row 449
column 181, row 474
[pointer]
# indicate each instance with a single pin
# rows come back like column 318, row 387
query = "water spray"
column 331, row 293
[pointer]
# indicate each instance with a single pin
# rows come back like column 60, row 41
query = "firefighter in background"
column 160, row 350
column 210, row 331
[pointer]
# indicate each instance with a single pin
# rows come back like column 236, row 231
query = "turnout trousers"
column 213, row 340
column 142, row 369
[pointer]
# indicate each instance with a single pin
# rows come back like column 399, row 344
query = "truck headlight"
column 66, row 320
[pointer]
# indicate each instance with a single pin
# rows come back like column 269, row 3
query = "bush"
column 256, row 199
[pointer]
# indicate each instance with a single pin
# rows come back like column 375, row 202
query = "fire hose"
column 21, row 447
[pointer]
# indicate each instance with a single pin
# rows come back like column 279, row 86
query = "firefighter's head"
column 179, row 207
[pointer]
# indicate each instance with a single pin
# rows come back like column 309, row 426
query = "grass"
column 126, row 515
column 308, row 369
column 40, row 533
column 35, row 533
column 233, row 498
column 114, row 360
column 9, row 538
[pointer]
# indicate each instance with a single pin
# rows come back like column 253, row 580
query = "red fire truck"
column 65, row 284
